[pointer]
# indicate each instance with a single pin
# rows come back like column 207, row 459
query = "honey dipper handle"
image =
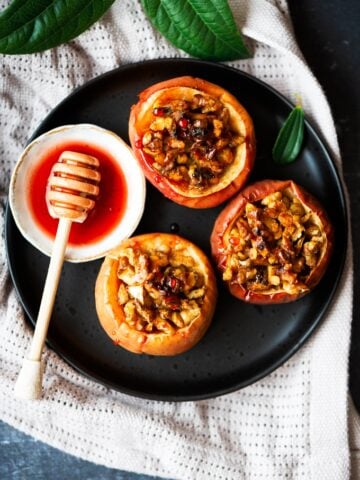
column 28, row 385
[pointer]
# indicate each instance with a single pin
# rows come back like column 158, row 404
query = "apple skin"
column 254, row 193
column 111, row 314
column 139, row 121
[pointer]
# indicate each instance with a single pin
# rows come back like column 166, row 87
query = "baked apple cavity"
column 156, row 294
column 194, row 141
column 272, row 243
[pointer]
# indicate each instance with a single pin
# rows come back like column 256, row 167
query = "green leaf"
column 203, row 28
column 289, row 141
column 28, row 26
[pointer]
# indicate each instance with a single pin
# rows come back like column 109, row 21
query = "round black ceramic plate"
column 245, row 342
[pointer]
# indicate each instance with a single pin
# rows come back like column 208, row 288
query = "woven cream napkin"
column 292, row 424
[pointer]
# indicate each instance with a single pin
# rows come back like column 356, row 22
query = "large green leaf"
column 28, row 26
column 203, row 28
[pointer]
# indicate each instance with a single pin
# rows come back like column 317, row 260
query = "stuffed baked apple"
column 156, row 294
column 272, row 243
column 194, row 141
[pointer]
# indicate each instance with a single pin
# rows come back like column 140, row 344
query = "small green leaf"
column 28, row 26
column 203, row 28
column 289, row 141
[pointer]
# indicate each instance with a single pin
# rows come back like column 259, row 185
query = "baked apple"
column 272, row 243
column 194, row 141
column 156, row 294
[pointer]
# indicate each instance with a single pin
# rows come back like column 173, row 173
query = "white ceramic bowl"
column 106, row 141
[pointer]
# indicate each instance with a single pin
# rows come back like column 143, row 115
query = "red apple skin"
column 137, row 129
column 111, row 314
column 253, row 193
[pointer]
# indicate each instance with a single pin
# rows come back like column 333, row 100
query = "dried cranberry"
column 160, row 111
column 182, row 134
column 172, row 302
column 183, row 122
column 172, row 284
column 234, row 240
column 197, row 154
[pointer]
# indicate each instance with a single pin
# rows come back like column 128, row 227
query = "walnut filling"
column 274, row 245
column 191, row 142
column 161, row 290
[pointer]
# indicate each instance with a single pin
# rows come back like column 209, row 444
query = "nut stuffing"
column 156, row 293
column 159, row 284
column 272, row 243
column 191, row 141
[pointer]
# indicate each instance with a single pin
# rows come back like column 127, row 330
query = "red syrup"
column 110, row 204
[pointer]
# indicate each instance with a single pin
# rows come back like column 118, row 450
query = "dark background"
column 329, row 36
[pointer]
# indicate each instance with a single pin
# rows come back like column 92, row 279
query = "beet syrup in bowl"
column 118, row 208
column 110, row 204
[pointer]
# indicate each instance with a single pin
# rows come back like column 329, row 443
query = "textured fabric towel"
column 292, row 424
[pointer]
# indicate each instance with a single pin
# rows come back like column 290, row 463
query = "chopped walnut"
column 160, row 291
column 274, row 245
column 191, row 143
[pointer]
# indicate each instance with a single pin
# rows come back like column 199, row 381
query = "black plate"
column 244, row 342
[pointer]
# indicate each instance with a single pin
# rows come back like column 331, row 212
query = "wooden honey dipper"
column 72, row 188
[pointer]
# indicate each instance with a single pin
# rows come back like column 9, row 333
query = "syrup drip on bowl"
column 110, row 205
